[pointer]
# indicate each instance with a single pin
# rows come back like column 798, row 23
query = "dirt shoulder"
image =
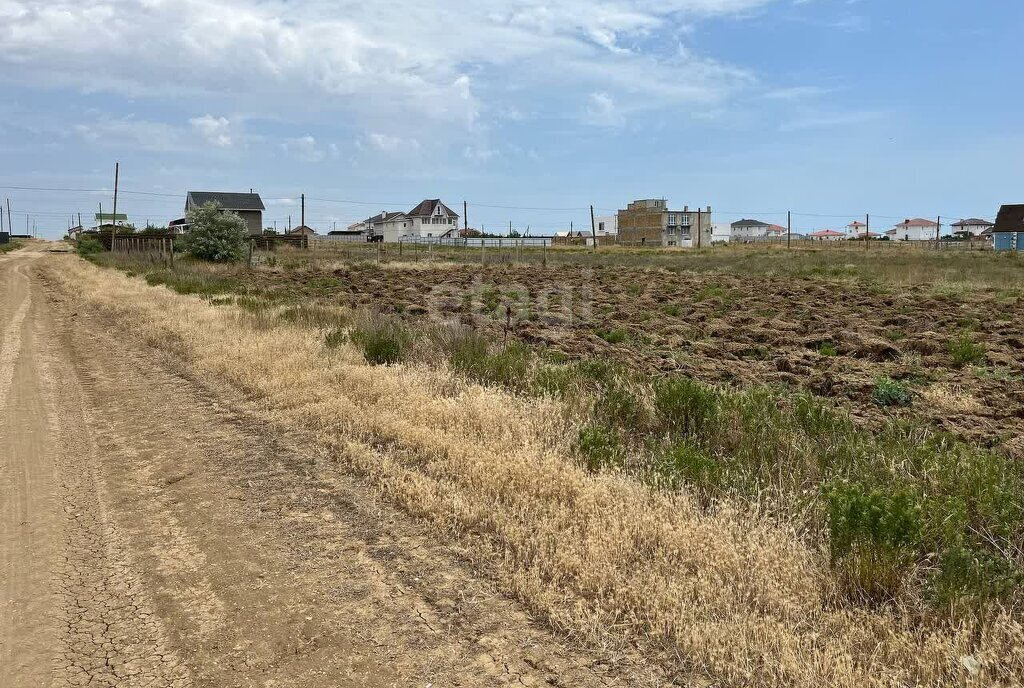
column 160, row 534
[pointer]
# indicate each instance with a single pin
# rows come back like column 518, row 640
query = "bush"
column 470, row 354
column 965, row 351
column 614, row 336
column 875, row 539
column 889, row 392
column 384, row 340
column 216, row 235
column 600, row 447
column 828, row 349
column 687, row 407
column 88, row 246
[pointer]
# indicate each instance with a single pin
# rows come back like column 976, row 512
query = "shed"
column 1008, row 232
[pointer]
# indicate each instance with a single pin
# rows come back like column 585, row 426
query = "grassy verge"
column 10, row 246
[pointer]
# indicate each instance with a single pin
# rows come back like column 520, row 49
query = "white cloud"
column 391, row 144
column 797, row 92
column 601, row 111
column 826, row 120
column 479, row 154
column 410, row 67
column 133, row 133
column 304, row 148
column 216, row 130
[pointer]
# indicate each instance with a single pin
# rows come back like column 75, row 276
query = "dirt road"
column 152, row 533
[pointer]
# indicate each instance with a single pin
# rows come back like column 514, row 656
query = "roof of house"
column 973, row 222
column 918, row 222
column 384, row 217
column 826, row 233
column 856, row 223
column 1010, row 219
column 302, row 229
column 428, row 207
column 777, row 228
column 750, row 223
column 227, row 200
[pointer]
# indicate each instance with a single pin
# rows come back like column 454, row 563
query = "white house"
column 974, row 226
column 431, row 218
column 607, row 224
column 855, row 229
column 749, row 229
column 917, row 229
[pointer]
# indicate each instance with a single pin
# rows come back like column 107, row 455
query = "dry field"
column 779, row 544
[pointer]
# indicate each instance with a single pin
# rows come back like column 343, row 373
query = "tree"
column 215, row 234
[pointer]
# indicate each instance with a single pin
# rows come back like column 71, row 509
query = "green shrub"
column 685, row 461
column 613, row 336
column 600, row 447
column 470, row 354
column 889, row 392
column 687, row 407
column 88, row 246
column 672, row 309
column 216, row 235
column 874, row 537
column 967, row 575
column 964, row 351
column 384, row 340
column 828, row 349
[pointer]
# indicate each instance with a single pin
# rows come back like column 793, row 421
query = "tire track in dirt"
column 74, row 612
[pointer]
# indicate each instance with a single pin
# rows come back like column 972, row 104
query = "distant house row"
column 430, row 219
column 644, row 222
column 916, row 229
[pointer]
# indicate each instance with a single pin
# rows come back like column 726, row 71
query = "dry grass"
column 726, row 595
column 951, row 399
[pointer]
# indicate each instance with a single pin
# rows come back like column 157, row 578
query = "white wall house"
column 607, row 224
column 975, row 226
column 855, row 229
column 749, row 229
column 431, row 218
column 917, row 229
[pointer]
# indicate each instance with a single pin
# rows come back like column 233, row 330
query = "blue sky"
column 529, row 110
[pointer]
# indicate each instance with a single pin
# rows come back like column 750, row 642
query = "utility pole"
column 10, row 225
column 303, row 210
column 938, row 229
column 113, row 220
column 789, row 229
column 593, row 227
column 465, row 217
column 700, row 228
column 867, row 231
